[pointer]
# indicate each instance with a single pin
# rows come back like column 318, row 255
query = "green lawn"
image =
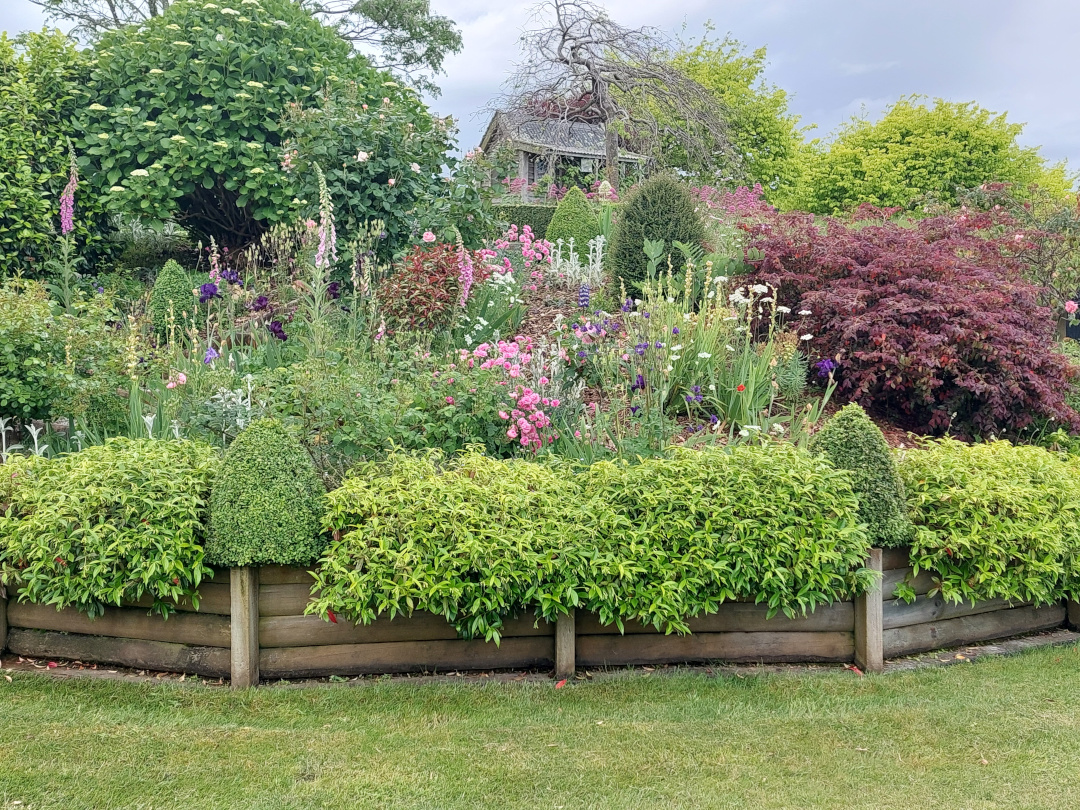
column 1001, row 732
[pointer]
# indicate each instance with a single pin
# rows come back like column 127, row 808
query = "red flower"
column 333, row 618
column 740, row 388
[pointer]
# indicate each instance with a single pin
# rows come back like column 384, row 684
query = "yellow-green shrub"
column 475, row 539
column 113, row 522
column 995, row 521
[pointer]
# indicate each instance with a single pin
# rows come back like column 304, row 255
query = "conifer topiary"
column 171, row 287
column 574, row 219
column 850, row 441
column 661, row 208
column 266, row 505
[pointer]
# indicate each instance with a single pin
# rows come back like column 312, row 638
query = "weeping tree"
column 580, row 65
column 401, row 36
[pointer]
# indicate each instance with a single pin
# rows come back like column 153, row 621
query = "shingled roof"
column 550, row 135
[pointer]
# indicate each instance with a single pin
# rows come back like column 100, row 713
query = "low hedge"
column 111, row 523
column 995, row 521
column 537, row 217
column 475, row 540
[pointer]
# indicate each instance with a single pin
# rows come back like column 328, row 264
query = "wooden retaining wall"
column 930, row 623
column 251, row 626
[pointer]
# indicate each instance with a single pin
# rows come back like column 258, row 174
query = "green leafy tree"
column 171, row 299
column 400, row 35
column 916, row 150
column 760, row 126
column 574, row 219
column 185, row 122
column 41, row 80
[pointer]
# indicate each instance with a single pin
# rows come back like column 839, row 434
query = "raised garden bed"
column 265, row 634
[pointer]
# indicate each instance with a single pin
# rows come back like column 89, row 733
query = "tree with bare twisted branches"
column 402, row 36
column 580, row 65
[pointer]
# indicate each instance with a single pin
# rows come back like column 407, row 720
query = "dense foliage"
column 933, row 321
column 184, row 117
column 384, row 159
column 537, row 217
column 764, row 132
column 31, row 348
column 850, row 441
column 172, row 301
column 424, row 290
column 662, row 209
column 41, row 90
column 915, row 150
column 115, row 522
column 476, row 540
column 265, row 507
column 574, row 219
column 995, row 521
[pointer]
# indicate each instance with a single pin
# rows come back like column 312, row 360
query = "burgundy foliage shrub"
column 933, row 320
column 424, row 289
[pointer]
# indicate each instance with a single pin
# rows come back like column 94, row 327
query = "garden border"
column 260, row 631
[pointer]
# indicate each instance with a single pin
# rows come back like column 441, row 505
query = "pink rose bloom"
column 391, row 181
column 449, row 400
column 181, row 378
column 428, row 236
column 1071, row 307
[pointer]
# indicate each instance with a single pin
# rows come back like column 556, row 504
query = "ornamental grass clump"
column 850, row 441
column 115, row 522
column 467, row 537
column 266, row 505
column 995, row 521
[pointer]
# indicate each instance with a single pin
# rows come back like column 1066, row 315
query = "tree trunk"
column 611, row 154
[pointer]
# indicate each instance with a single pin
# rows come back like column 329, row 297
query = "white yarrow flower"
column 805, row 312
column 807, row 337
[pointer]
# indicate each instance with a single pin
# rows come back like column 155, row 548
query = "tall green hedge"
column 266, row 504
column 850, row 441
column 537, row 217
column 475, row 539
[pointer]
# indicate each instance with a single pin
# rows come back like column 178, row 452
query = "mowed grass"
column 996, row 733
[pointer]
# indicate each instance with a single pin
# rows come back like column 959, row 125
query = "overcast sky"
column 833, row 56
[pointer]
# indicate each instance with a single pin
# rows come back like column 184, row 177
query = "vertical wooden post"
column 244, row 589
column 1073, row 617
column 3, row 618
column 869, row 652
column 565, row 644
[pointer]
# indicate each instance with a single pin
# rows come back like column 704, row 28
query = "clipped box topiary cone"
column 171, row 291
column 852, row 442
column 575, row 219
column 266, row 504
